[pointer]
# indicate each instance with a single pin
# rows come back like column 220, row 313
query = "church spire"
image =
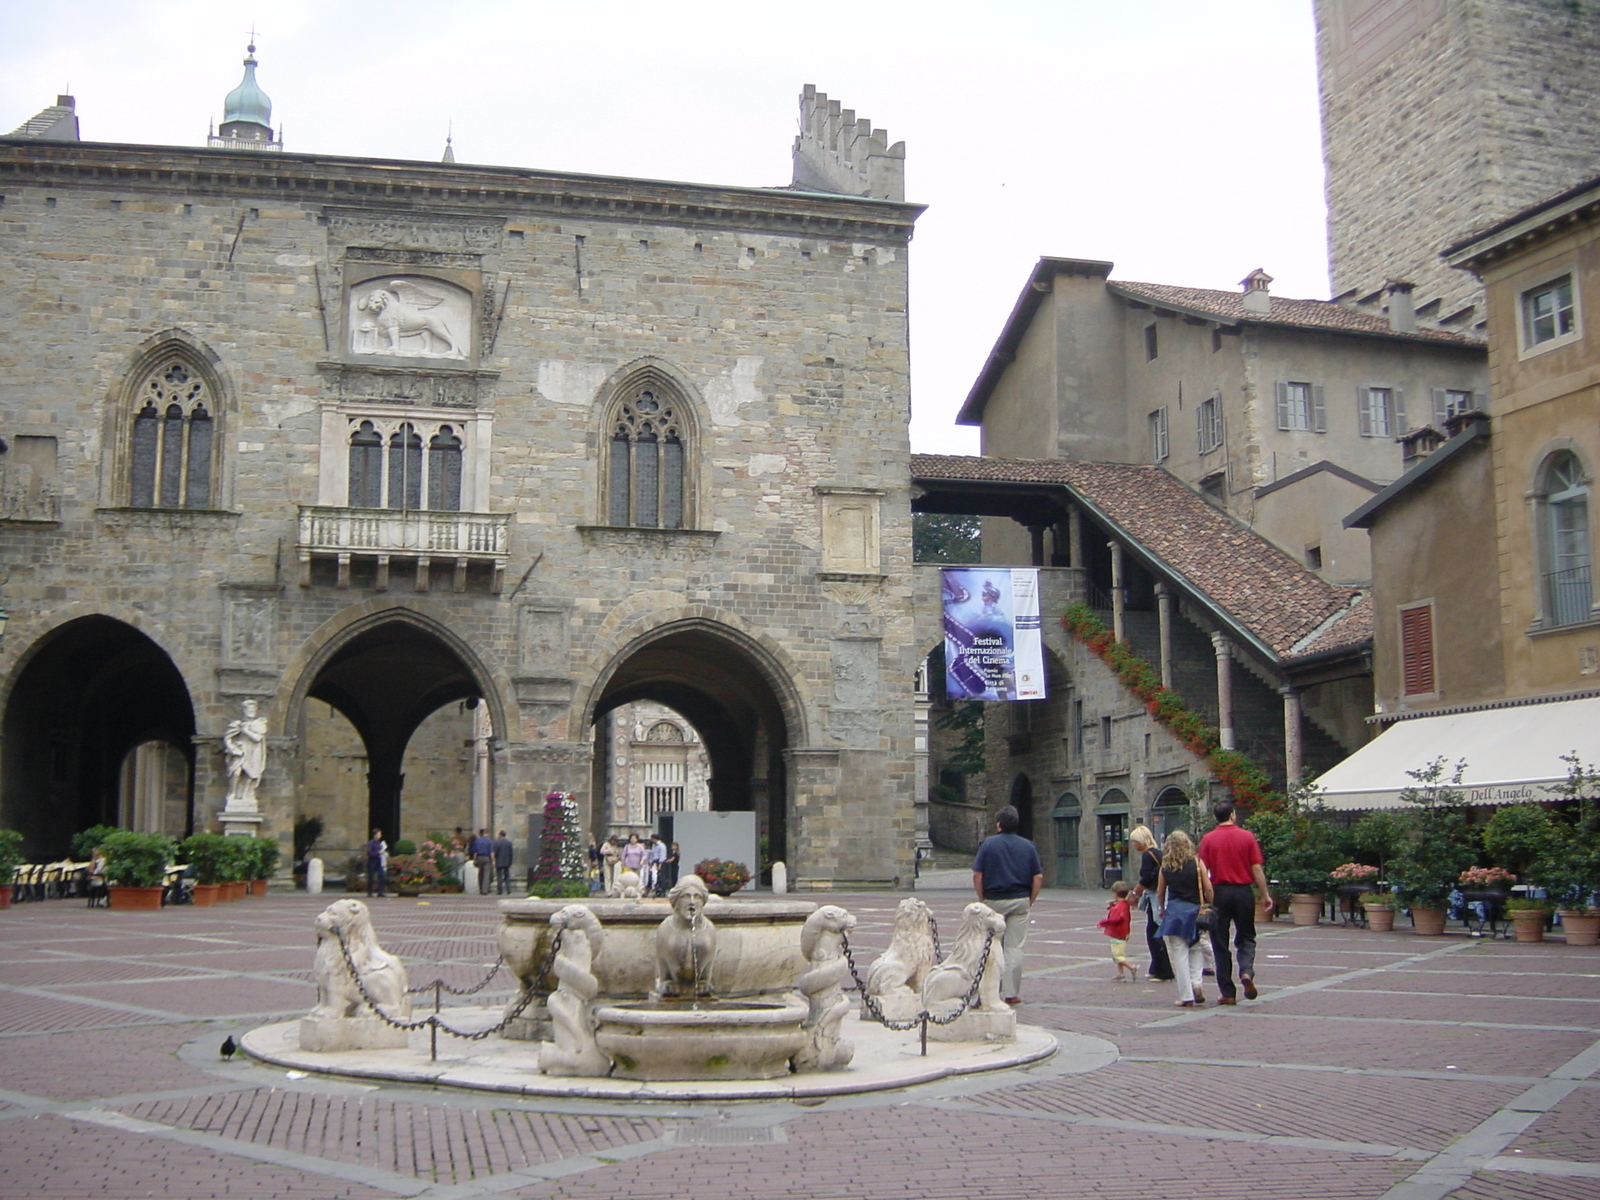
column 246, row 113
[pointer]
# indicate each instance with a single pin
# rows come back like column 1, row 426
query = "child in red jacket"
column 1116, row 923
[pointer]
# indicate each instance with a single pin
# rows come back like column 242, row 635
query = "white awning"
column 1511, row 754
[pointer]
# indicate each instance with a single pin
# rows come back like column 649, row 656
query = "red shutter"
column 1416, row 650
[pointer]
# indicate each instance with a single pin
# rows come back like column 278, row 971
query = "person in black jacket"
column 1143, row 843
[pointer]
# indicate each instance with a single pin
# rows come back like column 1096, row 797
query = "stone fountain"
column 703, row 998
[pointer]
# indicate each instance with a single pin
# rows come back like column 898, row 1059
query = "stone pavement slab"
column 1382, row 1066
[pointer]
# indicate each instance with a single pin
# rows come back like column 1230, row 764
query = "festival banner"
column 993, row 647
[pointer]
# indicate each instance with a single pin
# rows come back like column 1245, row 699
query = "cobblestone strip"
column 1479, row 1148
column 400, row 1185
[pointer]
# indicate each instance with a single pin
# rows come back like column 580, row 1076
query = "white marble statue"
column 343, row 1019
column 244, row 748
column 950, row 980
column 686, row 942
column 822, row 942
column 629, row 885
column 895, row 978
column 408, row 320
column 573, row 1050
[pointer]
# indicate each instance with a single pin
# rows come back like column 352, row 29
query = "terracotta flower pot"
column 5, row 895
column 235, row 889
column 1529, row 924
column 258, row 887
column 1305, row 908
column 1582, row 926
column 1429, row 921
column 124, row 897
column 206, row 895
column 1380, row 917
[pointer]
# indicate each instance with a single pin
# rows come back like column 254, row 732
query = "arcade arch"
column 99, row 729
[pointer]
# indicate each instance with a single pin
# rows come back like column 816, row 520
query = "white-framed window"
column 1301, row 406
column 1548, row 313
column 1452, row 402
column 391, row 456
column 1381, row 411
column 1208, row 424
column 1159, row 446
column 171, row 462
column 1564, row 517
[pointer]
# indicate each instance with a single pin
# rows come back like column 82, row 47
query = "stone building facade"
column 386, row 437
column 1444, row 116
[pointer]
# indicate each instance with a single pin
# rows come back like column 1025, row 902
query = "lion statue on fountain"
column 382, row 974
column 895, row 978
column 951, row 980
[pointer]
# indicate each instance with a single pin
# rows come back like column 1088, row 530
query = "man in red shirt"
column 1233, row 857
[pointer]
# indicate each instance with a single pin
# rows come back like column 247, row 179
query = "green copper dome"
column 248, row 102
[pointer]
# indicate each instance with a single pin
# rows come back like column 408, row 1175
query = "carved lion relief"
column 410, row 316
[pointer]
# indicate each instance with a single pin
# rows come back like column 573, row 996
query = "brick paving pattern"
column 1380, row 1066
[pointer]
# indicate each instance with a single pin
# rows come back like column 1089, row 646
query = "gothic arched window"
column 395, row 463
column 170, row 465
column 646, row 460
column 1564, row 513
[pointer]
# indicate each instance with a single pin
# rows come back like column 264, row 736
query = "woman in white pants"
column 1183, row 885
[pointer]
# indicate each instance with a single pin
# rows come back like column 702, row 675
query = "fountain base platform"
column 883, row 1060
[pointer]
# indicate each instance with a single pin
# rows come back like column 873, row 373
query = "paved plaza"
column 1374, row 1065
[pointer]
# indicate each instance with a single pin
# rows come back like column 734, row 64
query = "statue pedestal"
column 978, row 1025
column 238, row 823
column 328, row 1034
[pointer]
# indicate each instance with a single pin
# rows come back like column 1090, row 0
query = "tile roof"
column 1297, row 314
column 1291, row 610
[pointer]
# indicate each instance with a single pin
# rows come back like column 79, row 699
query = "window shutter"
column 1319, row 410
column 1398, row 397
column 1283, row 404
column 1200, row 427
column 1441, row 407
column 1416, row 650
column 1364, row 410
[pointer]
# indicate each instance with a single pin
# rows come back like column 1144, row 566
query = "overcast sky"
column 1177, row 139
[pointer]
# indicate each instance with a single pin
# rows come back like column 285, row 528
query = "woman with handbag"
column 1183, row 895
column 1143, row 843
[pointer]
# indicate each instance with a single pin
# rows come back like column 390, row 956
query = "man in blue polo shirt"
column 1007, row 876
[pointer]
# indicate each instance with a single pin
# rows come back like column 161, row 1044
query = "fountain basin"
column 717, row 1039
column 758, row 954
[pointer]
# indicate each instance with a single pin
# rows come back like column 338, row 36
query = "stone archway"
column 738, row 702
column 387, row 675
column 93, row 693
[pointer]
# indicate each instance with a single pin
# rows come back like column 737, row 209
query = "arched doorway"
column 1169, row 812
column 739, row 704
column 391, row 684
column 1067, row 817
column 1111, row 814
column 99, row 729
column 1022, row 801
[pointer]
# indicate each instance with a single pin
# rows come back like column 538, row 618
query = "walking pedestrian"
column 1143, row 843
column 1236, row 863
column 504, row 852
column 1007, row 875
column 377, row 862
column 482, row 852
column 1182, row 887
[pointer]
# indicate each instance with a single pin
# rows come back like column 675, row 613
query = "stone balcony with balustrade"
column 361, row 545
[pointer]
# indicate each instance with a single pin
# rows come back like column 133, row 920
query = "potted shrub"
column 86, row 842
column 207, row 855
column 1274, row 832
column 11, row 857
column 412, row 874
column 722, row 877
column 238, row 865
column 1437, row 849
column 1379, row 908
column 136, row 867
column 1306, row 854
column 1569, row 868
column 265, row 854
column 1529, row 917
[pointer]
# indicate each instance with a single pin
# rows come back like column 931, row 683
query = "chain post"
column 433, row 1041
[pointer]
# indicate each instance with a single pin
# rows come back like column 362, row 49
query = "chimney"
column 1402, row 307
column 1257, row 296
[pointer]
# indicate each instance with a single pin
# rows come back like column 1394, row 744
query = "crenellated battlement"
column 836, row 152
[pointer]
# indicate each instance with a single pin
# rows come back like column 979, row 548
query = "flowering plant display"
column 562, row 856
column 1250, row 785
column 1486, row 879
column 722, row 875
column 414, row 872
column 1352, row 873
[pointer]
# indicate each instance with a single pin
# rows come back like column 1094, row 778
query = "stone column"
column 1036, row 544
column 1293, row 752
column 1117, row 602
column 1219, row 642
column 1164, row 598
column 482, row 733
column 1075, row 535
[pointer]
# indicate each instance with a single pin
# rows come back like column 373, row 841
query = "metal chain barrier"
column 924, row 1018
column 433, row 1022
